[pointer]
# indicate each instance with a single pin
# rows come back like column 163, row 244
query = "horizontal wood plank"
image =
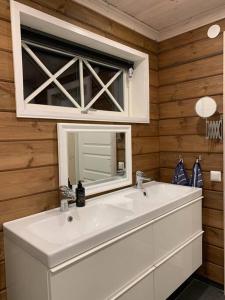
column 213, row 199
column 145, row 162
column 206, row 86
column 189, row 143
column 192, row 51
column 182, row 126
column 209, row 161
column 212, row 218
column 6, row 66
column 153, row 95
column 28, row 181
column 21, row 155
column 185, row 108
column 212, row 272
column 1, row 246
column 14, row 129
column 213, row 236
column 154, row 111
column 5, row 36
column 142, row 145
column 2, row 275
column 151, row 129
column 25, row 206
column 4, row 10
column 153, row 61
column 213, row 254
column 153, row 78
column 7, row 96
column 167, row 174
column 197, row 69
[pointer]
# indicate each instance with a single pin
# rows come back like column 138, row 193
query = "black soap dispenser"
column 80, row 195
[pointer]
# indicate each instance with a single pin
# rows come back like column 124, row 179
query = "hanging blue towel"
column 180, row 175
column 196, row 179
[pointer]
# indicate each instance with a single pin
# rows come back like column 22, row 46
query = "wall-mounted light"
column 213, row 31
column 206, row 107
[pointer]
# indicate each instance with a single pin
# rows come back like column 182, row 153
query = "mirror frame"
column 64, row 128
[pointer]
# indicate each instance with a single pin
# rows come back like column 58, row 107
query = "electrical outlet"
column 215, row 176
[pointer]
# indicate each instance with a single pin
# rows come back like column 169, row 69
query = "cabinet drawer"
column 101, row 274
column 172, row 272
column 143, row 290
column 174, row 229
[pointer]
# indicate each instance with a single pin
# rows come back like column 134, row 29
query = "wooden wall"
column 191, row 66
column 28, row 148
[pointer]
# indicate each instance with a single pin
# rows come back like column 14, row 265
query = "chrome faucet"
column 140, row 178
column 69, row 198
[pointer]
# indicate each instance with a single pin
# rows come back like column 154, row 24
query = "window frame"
column 133, row 89
column 53, row 78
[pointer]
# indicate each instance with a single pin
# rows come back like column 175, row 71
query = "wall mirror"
column 98, row 155
column 205, row 107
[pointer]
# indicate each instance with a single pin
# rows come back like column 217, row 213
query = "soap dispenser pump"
column 80, row 195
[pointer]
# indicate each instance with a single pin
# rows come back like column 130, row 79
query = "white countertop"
column 50, row 238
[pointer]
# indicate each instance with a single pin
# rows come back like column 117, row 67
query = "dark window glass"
column 116, row 89
column 52, row 60
column 104, row 102
column 52, row 95
column 33, row 75
column 105, row 73
column 91, row 85
column 70, row 80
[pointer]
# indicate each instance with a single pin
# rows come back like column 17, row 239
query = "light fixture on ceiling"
column 213, row 31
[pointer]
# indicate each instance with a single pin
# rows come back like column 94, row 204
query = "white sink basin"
column 51, row 238
column 65, row 227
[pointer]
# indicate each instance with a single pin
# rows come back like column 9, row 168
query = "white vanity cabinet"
column 99, row 275
column 148, row 262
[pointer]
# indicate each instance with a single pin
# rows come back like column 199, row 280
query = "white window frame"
column 136, row 90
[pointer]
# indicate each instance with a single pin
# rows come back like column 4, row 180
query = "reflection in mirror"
column 100, row 155
column 95, row 157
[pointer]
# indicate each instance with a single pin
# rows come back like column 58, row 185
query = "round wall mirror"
column 205, row 107
column 213, row 31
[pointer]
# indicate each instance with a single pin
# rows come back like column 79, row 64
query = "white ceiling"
column 160, row 19
column 161, row 14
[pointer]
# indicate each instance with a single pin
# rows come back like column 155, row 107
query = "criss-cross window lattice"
column 57, row 79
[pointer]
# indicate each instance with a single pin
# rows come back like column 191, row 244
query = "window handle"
column 85, row 111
